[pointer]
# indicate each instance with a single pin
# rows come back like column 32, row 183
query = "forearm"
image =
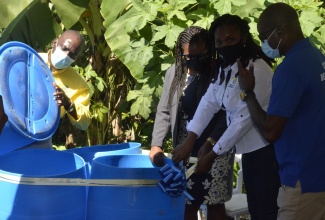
column 161, row 127
column 71, row 109
column 220, row 126
column 190, row 139
column 257, row 114
column 211, row 155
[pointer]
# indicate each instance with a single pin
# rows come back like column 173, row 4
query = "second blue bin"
column 141, row 200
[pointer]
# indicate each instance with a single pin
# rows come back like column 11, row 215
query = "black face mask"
column 229, row 54
column 196, row 64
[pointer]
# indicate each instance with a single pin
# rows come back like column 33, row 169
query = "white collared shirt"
column 240, row 132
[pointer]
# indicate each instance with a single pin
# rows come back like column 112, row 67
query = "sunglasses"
column 194, row 56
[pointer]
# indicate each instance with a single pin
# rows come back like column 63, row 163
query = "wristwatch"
column 244, row 94
column 71, row 108
column 211, row 141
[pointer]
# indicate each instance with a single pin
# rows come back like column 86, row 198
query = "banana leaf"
column 34, row 25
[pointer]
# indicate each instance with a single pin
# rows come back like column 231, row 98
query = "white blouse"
column 240, row 132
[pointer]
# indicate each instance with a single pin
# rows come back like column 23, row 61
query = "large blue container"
column 19, row 201
column 26, row 87
column 91, row 152
column 134, row 202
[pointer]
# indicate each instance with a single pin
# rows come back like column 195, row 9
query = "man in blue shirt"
column 295, row 119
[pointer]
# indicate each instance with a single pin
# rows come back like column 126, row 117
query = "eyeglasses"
column 194, row 56
column 264, row 35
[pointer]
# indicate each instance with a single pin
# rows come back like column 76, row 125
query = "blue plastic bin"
column 91, row 152
column 135, row 202
column 19, row 201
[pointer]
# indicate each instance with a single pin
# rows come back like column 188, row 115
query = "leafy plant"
column 130, row 44
column 150, row 28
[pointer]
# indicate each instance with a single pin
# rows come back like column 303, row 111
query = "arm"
column 74, row 89
column 162, row 121
column 219, row 124
column 64, row 101
column 183, row 151
column 240, row 121
column 205, row 111
column 270, row 126
column 208, row 106
column 81, row 101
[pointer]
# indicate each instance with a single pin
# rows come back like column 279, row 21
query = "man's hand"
column 61, row 98
column 246, row 77
column 157, row 156
column 3, row 115
column 205, row 162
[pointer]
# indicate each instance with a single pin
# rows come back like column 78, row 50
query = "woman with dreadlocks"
column 185, row 83
column 232, row 41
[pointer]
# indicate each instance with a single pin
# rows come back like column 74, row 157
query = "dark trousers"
column 262, row 182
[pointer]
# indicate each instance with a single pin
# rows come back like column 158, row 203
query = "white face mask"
column 268, row 50
column 60, row 60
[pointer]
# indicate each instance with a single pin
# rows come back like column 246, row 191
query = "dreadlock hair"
column 191, row 35
column 251, row 51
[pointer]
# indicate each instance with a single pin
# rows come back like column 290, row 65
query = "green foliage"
column 65, row 7
column 146, row 54
column 58, row 147
column 130, row 44
column 20, row 19
column 93, row 80
column 9, row 15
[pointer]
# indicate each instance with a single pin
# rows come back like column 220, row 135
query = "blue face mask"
column 60, row 60
column 268, row 50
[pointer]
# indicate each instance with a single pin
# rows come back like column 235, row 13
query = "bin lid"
column 26, row 86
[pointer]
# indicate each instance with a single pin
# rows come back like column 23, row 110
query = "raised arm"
column 270, row 126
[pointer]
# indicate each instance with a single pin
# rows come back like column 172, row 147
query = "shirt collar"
column 233, row 67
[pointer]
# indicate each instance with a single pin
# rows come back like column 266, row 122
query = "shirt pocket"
column 232, row 95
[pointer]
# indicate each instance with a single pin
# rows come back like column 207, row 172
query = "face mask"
column 268, row 50
column 196, row 64
column 229, row 54
column 60, row 60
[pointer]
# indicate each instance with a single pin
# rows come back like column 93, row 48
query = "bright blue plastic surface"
column 91, row 152
column 32, row 202
column 26, row 86
column 130, row 202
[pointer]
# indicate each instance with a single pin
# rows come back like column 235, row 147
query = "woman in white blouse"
column 232, row 40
